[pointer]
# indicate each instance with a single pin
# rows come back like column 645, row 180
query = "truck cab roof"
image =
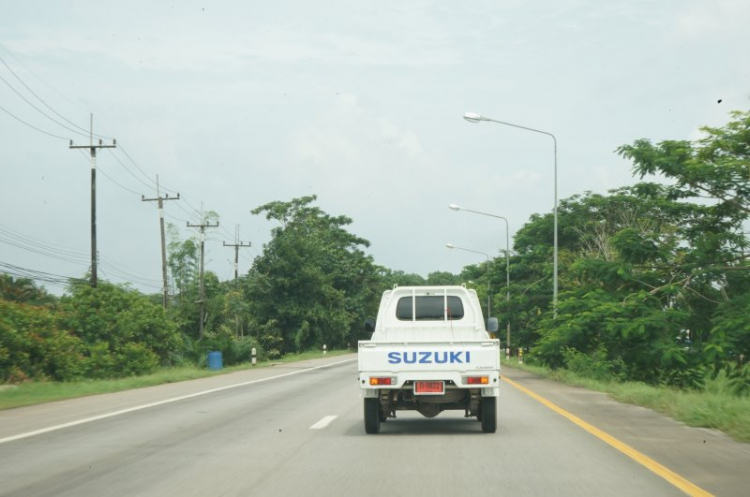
column 429, row 313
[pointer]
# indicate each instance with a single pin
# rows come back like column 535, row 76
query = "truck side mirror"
column 369, row 325
column 493, row 325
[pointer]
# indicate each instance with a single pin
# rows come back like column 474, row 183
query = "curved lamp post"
column 457, row 208
column 451, row 246
column 476, row 118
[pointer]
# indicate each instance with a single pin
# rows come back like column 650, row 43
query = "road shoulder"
column 708, row 458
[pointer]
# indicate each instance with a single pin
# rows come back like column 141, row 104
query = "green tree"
column 184, row 264
column 388, row 278
column 711, row 267
column 23, row 290
column 443, row 278
column 313, row 284
column 183, row 259
column 623, row 298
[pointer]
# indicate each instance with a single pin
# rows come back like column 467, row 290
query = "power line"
column 149, row 185
column 55, row 279
column 40, row 99
column 18, row 240
column 114, row 269
column 192, row 212
column 125, row 153
column 118, row 184
column 38, row 109
column 191, row 215
column 183, row 221
column 31, row 125
column 52, row 88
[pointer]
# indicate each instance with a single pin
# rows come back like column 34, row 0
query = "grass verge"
column 32, row 393
column 705, row 409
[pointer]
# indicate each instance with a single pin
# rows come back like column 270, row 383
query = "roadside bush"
column 191, row 352
column 594, row 365
column 234, row 349
column 135, row 359
column 32, row 347
column 730, row 380
column 686, row 377
column 239, row 350
column 100, row 362
column 118, row 316
column 131, row 359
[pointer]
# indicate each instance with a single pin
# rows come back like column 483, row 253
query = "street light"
column 451, row 246
column 457, row 208
column 476, row 118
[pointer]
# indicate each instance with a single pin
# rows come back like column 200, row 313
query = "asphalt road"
column 293, row 430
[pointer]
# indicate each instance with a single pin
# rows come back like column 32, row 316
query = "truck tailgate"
column 481, row 355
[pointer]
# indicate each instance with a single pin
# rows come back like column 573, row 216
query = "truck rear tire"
column 489, row 414
column 372, row 416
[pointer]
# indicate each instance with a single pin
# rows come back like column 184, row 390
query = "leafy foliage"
column 23, row 290
column 313, row 285
column 32, row 345
column 119, row 325
column 655, row 276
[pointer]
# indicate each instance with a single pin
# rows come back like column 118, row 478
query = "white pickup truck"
column 429, row 352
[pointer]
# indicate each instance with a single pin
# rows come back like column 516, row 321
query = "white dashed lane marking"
column 323, row 423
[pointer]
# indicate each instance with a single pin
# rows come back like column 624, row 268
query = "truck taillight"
column 478, row 380
column 382, row 381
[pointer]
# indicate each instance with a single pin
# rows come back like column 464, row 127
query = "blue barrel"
column 214, row 360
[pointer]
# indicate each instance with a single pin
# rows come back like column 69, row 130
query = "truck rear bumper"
column 486, row 381
column 375, row 392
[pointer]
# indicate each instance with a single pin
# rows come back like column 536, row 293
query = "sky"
column 234, row 104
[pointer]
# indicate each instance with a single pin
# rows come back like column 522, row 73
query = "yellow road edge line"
column 669, row 475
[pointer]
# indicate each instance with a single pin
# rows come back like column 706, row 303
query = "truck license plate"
column 429, row 387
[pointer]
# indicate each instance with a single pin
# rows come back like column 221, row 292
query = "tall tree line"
column 654, row 284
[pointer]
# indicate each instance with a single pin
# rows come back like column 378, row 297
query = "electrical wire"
column 85, row 131
column 18, row 240
column 40, row 110
column 101, row 170
column 150, row 185
column 39, row 276
column 107, row 266
column 125, row 153
column 118, row 184
column 192, row 212
column 31, row 125
column 183, row 221
column 65, row 97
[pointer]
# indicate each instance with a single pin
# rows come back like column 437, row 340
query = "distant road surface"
column 297, row 430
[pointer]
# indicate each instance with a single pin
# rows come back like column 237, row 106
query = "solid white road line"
column 161, row 402
column 323, row 423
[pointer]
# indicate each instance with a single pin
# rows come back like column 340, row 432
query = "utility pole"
column 92, row 149
column 160, row 200
column 202, row 296
column 237, row 244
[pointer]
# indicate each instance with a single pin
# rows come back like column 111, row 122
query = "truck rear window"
column 429, row 308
